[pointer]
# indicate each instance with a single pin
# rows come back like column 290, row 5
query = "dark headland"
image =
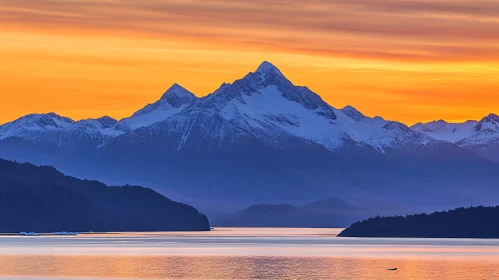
column 471, row 222
column 41, row 199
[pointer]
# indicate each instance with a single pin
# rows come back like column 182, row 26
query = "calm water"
column 242, row 253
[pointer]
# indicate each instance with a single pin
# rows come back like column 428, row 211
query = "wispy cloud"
column 384, row 29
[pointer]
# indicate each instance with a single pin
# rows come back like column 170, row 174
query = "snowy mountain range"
column 482, row 136
column 264, row 104
column 259, row 139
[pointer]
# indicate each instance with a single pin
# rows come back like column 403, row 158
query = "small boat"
column 394, row 268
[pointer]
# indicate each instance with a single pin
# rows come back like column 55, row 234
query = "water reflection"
column 216, row 267
column 246, row 254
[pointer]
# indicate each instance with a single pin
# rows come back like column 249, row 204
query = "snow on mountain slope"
column 353, row 113
column 173, row 101
column 268, row 105
column 486, row 132
column 265, row 77
column 31, row 125
column 468, row 133
column 442, row 130
column 104, row 125
column 270, row 111
column 51, row 127
column 377, row 132
column 490, row 122
column 263, row 104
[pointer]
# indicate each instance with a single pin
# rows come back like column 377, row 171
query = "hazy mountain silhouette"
column 41, row 199
column 332, row 212
column 331, row 203
column 472, row 222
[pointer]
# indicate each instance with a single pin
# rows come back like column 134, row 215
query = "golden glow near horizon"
column 415, row 60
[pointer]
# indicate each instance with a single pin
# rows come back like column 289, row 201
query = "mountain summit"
column 173, row 101
column 31, row 125
column 267, row 67
column 177, row 96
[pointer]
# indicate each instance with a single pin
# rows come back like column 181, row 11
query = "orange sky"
column 411, row 60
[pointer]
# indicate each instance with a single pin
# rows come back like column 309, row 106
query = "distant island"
column 41, row 199
column 471, row 222
column 331, row 212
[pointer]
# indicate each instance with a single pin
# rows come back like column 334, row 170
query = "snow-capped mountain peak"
column 47, row 120
column 266, row 79
column 490, row 118
column 268, row 83
column 352, row 113
column 490, row 122
column 268, row 68
column 433, row 126
column 107, row 121
column 42, row 121
column 102, row 122
column 30, row 125
column 173, row 101
column 466, row 134
column 391, row 125
column 104, row 126
column 267, row 105
column 442, row 130
column 177, row 96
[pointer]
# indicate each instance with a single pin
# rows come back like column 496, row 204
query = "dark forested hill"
column 41, row 199
column 472, row 222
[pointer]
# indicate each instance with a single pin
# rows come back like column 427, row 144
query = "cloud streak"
column 398, row 30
